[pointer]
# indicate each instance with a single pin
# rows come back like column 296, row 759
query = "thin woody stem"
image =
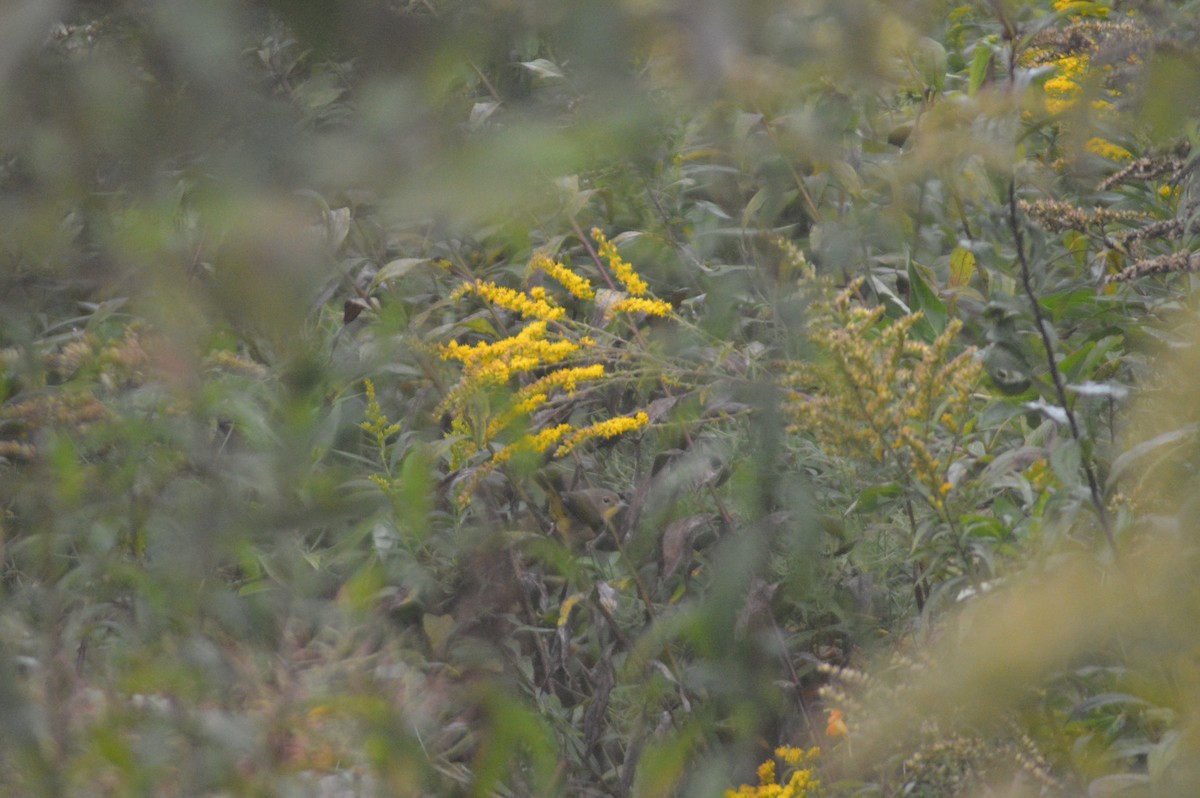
column 1060, row 389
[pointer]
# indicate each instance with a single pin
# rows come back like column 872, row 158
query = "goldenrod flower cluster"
column 880, row 392
column 651, row 307
column 537, row 393
column 1076, row 8
column 376, row 423
column 488, row 366
column 800, row 782
column 533, row 305
column 542, row 363
column 1106, row 149
column 609, row 428
column 621, row 268
column 1063, row 90
column 492, row 364
column 576, row 285
column 1070, row 50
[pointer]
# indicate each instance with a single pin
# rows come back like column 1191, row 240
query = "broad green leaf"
column 1066, row 461
column 480, row 325
column 929, row 61
column 962, row 267
column 981, row 66
column 415, row 492
column 395, row 269
column 925, row 299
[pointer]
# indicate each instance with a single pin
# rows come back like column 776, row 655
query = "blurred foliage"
column 460, row 397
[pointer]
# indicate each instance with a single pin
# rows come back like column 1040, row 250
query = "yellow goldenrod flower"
column 609, row 428
column 789, row 755
column 534, row 305
column 1081, row 8
column 376, row 422
column 539, row 442
column 576, row 285
column 566, row 379
column 1106, row 149
column 548, row 437
column 537, row 393
column 798, row 782
column 1073, row 66
column 621, row 268
column 491, row 366
column 882, row 393
column 651, row 307
column 524, row 351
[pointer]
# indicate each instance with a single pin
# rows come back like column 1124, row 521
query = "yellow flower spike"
column 651, row 307
column 579, row 287
column 537, row 393
column 548, row 437
column 376, row 422
column 566, row 379
column 609, row 428
column 797, row 782
column 789, row 755
column 530, row 306
column 624, row 272
column 1108, row 150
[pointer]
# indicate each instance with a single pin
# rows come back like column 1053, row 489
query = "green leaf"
column 925, row 299
column 416, row 488
column 395, row 269
column 962, row 267
column 1066, row 461
column 929, row 61
column 1126, row 460
column 981, row 67
column 480, row 325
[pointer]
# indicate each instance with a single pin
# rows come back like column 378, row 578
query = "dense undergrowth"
column 471, row 398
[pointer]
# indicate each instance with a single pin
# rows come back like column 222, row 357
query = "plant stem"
column 1060, row 389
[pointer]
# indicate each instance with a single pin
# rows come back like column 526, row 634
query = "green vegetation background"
column 469, row 397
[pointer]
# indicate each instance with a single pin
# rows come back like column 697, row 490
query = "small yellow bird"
column 581, row 515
